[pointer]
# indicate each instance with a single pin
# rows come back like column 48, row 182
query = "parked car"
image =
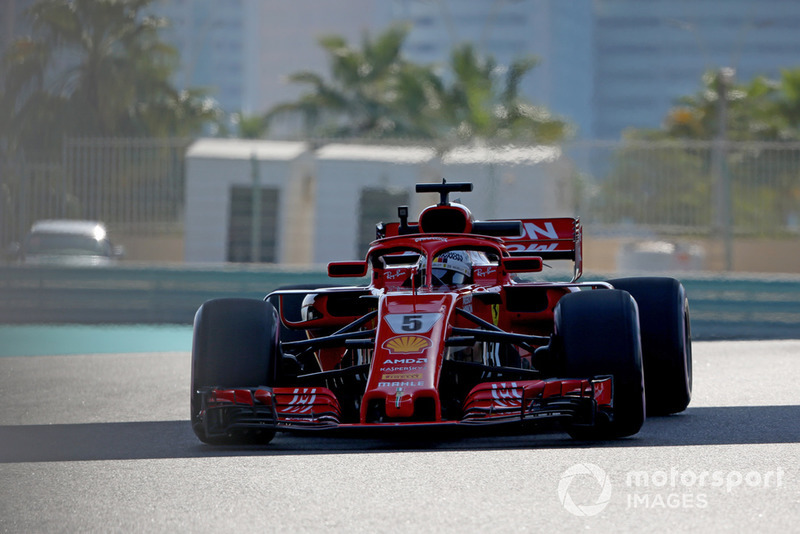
column 68, row 242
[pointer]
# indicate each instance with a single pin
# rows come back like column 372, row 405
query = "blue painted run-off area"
column 51, row 340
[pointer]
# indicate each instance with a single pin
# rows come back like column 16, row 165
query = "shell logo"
column 406, row 344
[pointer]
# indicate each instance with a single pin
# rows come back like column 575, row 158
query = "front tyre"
column 235, row 345
column 598, row 334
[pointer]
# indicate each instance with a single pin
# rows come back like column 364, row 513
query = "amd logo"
column 405, row 361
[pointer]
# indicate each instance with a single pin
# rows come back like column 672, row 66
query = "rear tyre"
column 235, row 345
column 666, row 341
column 598, row 334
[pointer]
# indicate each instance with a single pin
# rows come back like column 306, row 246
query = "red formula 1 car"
column 447, row 333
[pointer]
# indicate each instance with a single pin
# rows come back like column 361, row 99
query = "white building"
column 319, row 205
column 222, row 178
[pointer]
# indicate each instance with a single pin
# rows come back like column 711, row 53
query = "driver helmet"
column 309, row 308
column 453, row 267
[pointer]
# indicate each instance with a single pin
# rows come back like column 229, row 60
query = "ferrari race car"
column 454, row 330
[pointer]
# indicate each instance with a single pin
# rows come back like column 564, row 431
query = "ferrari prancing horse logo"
column 406, row 344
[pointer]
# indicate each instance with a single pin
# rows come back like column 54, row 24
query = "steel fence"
column 134, row 185
column 689, row 188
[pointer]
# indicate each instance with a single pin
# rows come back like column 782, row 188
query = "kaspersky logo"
column 406, row 344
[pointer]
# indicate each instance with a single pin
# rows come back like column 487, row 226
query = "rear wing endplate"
column 557, row 238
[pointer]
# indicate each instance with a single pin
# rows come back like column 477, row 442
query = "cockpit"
column 452, row 267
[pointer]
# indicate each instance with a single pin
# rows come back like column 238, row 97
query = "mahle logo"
column 582, row 471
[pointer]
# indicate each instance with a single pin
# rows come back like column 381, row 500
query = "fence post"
column 255, row 221
column 721, row 177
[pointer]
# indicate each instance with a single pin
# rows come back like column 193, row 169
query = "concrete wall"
column 721, row 306
column 749, row 255
column 600, row 254
column 151, row 248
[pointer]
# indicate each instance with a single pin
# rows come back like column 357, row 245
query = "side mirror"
column 347, row 269
column 522, row 264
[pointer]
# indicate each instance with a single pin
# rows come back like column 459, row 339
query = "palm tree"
column 761, row 109
column 758, row 115
column 93, row 68
column 481, row 104
column 371, row 93
column 374, row 92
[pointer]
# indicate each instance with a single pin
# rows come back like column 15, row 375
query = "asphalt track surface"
column 101, row 443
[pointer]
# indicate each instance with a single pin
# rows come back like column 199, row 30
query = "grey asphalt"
column 101, row 443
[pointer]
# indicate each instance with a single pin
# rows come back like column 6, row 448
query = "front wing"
column 578, row 401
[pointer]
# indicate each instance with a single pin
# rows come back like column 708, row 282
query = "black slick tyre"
column 666, row 341
column 598, row 334
column 235, row 344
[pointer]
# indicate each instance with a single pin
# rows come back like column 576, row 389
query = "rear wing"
column 557, row 238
